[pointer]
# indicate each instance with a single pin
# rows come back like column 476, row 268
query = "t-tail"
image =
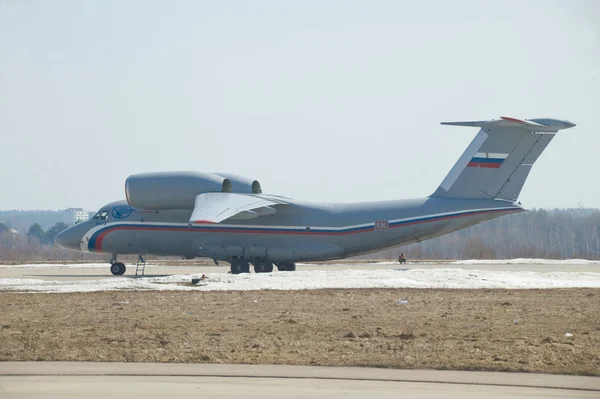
column 498, row 160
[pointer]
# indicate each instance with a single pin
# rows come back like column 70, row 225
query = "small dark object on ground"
column 197, row 280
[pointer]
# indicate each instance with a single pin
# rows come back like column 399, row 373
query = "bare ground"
column 502, row 330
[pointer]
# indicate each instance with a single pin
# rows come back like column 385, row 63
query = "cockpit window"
column 102, row 215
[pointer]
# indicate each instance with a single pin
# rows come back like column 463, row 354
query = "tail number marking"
column 381, row 225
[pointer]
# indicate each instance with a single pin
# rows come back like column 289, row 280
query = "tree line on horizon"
column 538, row 233
column 37, row 245
column 22, row 220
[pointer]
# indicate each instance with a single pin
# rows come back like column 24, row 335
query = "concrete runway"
column 122, row 380
column 100, row 271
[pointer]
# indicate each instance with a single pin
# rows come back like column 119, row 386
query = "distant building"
column 10, row 233
column 79, row 215
column 8, row 238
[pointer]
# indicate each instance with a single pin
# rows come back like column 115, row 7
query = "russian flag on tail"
column 487, row 160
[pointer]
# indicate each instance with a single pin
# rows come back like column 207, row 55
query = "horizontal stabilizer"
column 216, row 207
column 532, row 125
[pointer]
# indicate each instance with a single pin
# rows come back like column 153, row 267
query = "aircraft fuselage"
column 301, row 231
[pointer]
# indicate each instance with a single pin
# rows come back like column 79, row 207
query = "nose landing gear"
column 117, row 268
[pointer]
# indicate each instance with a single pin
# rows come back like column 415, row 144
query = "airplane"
column 228, row 218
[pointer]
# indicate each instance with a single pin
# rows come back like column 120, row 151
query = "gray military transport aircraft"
column 227, row 217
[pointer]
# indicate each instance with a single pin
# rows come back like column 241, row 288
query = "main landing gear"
column 240, row 265
column 263, row 266
column 116, row 268
column 286, row 267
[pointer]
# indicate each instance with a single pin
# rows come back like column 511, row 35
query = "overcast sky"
column 336, row 101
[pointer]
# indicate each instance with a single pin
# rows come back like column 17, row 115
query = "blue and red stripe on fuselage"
column 95, row 241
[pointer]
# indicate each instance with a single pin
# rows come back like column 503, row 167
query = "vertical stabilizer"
column 498, row 160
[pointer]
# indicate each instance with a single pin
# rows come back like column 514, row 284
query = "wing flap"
column 216, row 207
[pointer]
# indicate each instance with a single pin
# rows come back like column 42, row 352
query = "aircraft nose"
column 569, row 124
column 69, row 238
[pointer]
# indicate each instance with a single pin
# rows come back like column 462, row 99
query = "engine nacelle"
column 241, row 184
column 171, row 190
column 178, row 190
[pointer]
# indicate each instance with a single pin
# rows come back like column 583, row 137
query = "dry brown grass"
column 504, row 330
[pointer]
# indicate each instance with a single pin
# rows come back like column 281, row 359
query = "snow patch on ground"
column 48, row 265
column 526, row 261
column 303, row 280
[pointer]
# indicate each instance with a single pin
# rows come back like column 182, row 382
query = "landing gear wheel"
column 286, row 267
column 239, row 266
column 117, row 268
column 263, row 266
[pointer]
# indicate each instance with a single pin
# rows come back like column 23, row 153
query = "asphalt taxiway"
column 154, row 380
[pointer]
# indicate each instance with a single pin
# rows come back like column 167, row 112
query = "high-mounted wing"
column 216, row 207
